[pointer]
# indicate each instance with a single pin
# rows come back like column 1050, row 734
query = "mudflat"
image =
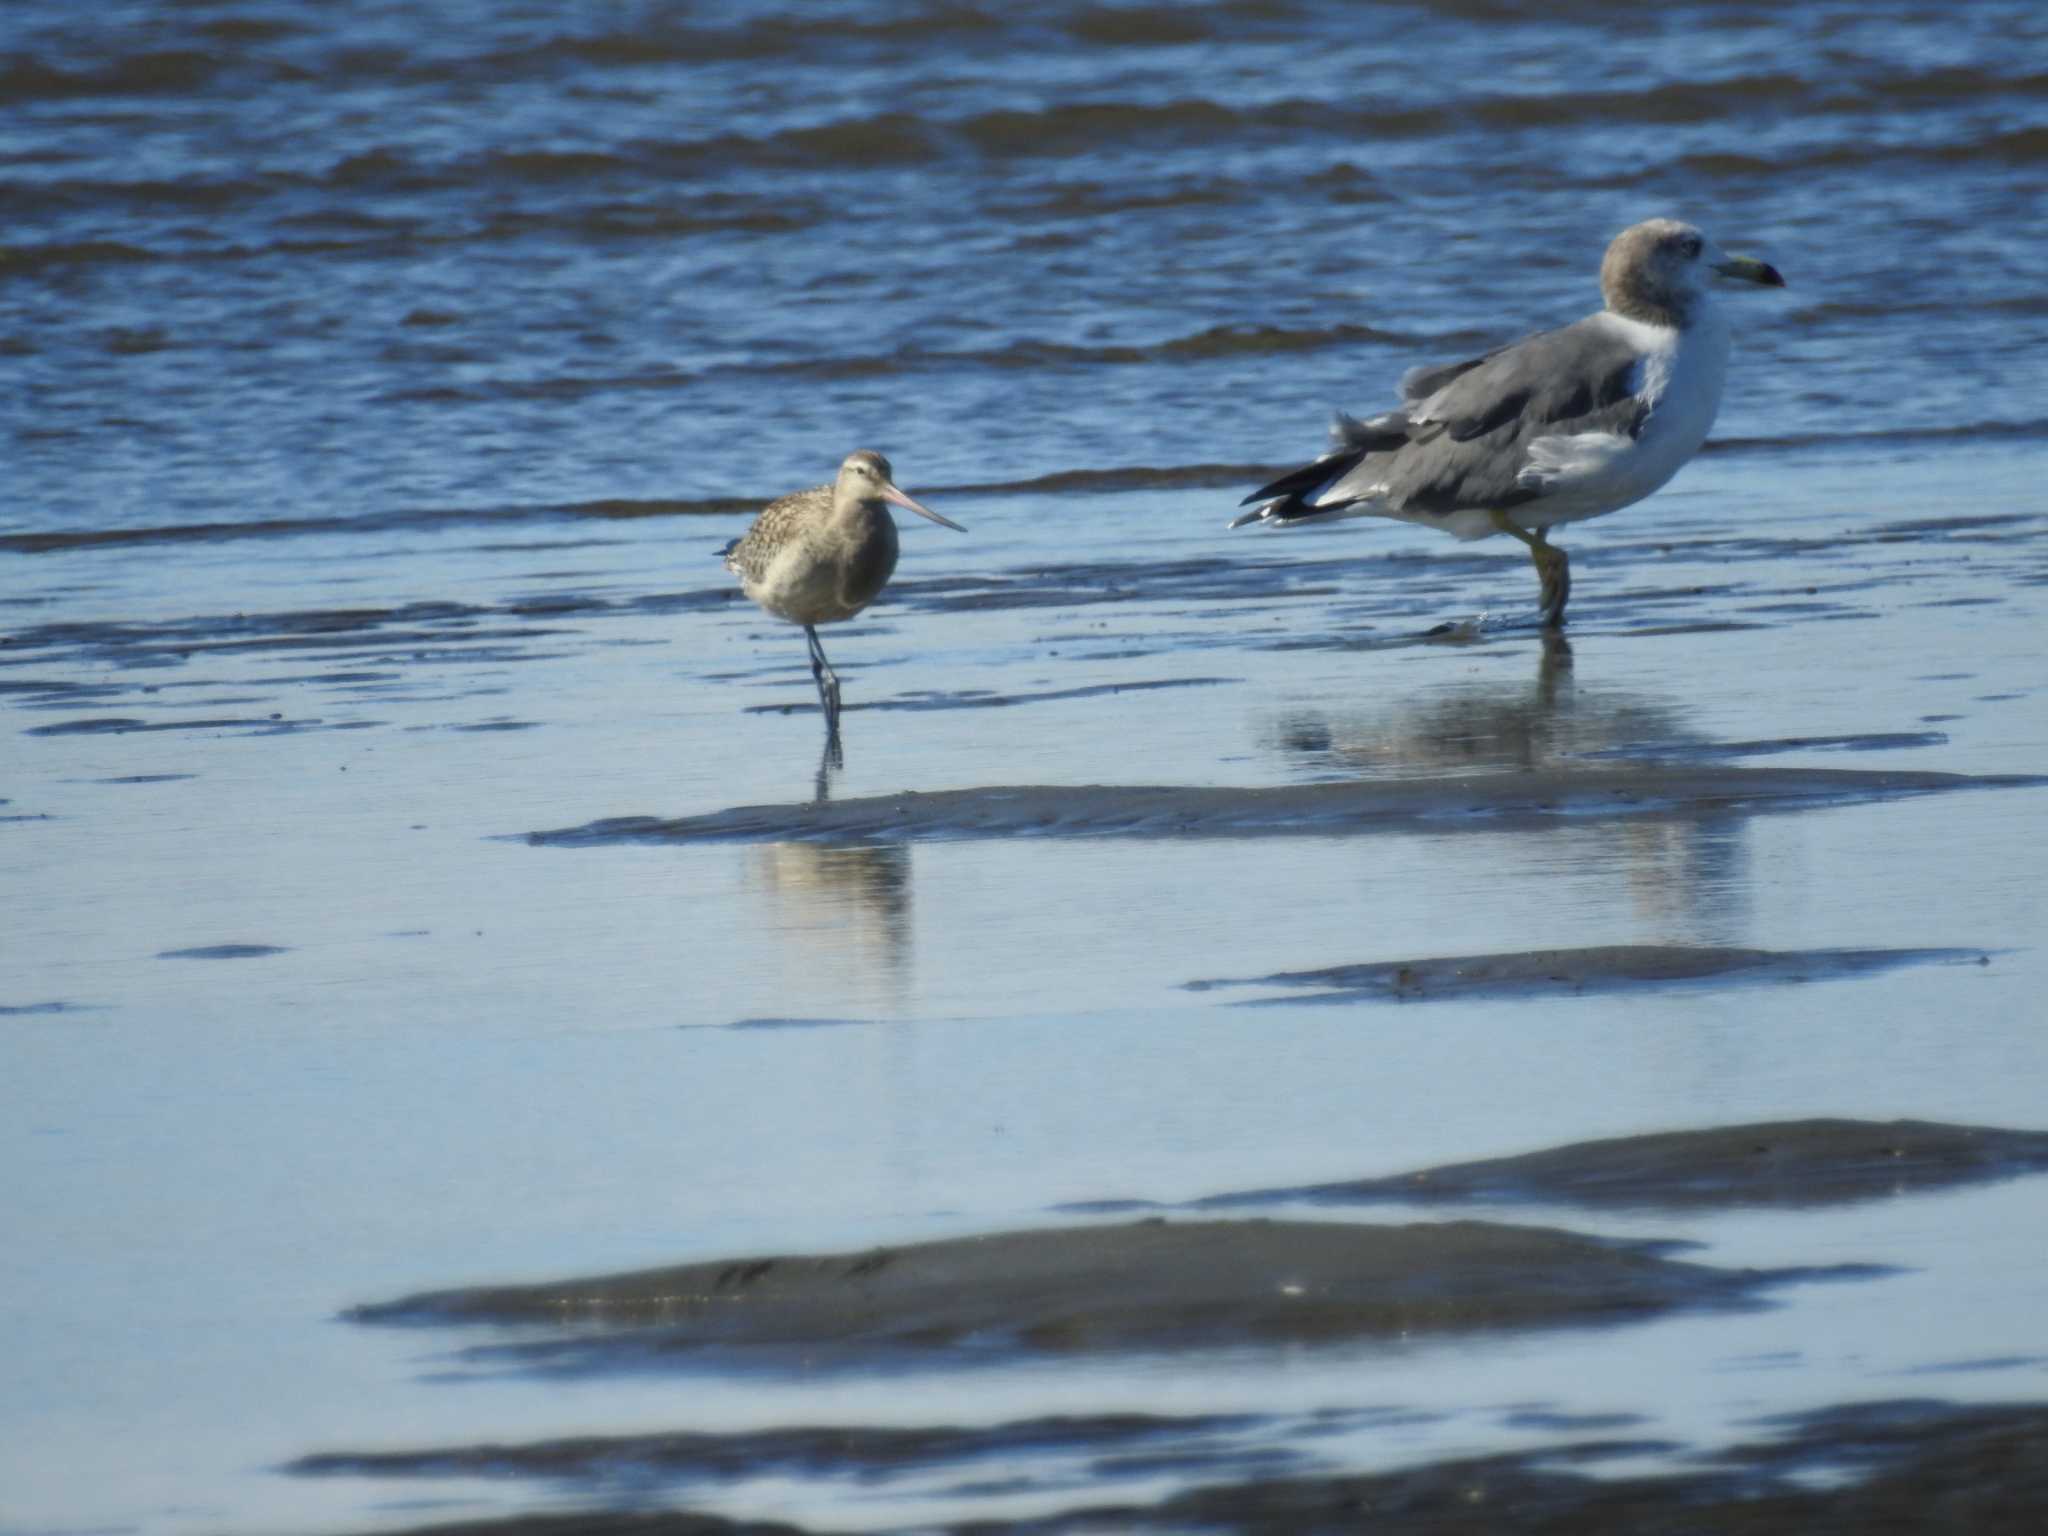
column 381, row 394
column 1595, row 968
column 1784, row 1163
column 1146, row 1284
column 1940, row 1468
column 1476, row 801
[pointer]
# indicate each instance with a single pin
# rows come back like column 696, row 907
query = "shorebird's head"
column 865, row 476
column 1658, row 270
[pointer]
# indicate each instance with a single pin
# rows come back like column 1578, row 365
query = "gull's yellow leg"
column 1553, row 569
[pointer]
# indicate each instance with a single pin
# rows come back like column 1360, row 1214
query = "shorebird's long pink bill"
column 897, row 498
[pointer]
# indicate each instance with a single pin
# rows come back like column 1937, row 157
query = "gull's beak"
column 1749, row 270
column 896, row 498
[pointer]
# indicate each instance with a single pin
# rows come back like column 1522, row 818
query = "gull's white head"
column 1657, row 271
column 865, row 476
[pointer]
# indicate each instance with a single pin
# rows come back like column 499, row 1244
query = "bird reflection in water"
column 844, row 914
column 1687, row 875
column 1476, row 727
column 829, row 762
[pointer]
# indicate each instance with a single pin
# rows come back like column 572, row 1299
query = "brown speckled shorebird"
column 817, row 556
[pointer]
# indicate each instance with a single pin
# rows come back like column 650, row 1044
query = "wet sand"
column 1478, row 802
column 1535, row 972
column 1932, row 1468
column 1939, row 1470
column 813, row 1450
column 1204, row 1285
column 426, row 869
column 1206, row 886
column 1148, row 1285
column 1158, row 1285
column 1802, row 1164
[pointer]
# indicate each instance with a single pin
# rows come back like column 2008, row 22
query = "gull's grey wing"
column 1421, row 383
column 1461, row 435
column 1542, row 383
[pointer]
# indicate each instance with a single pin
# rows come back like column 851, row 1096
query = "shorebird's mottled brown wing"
column 747, row 557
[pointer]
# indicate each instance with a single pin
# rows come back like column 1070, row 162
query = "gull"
column 1556, row 428
column 817, row 556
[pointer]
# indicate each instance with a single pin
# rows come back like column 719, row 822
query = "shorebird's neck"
column 858, row 511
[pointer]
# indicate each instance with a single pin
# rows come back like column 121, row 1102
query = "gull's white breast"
column 1679, row 379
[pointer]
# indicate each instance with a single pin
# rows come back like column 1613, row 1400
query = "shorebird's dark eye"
column 1691, row 246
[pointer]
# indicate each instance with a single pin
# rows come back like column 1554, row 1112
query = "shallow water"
column 379, row 398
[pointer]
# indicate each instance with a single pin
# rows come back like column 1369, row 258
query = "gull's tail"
column 1296, row 497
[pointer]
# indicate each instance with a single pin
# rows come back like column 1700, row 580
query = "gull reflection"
column 1686, row 877
column 1480, row 727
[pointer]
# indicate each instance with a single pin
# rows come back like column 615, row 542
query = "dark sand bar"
column 1483, row 801
column 1793, row 1163
column 868, row 1451
column 1934, row 1469
column 1578, row 972
column 1144, row 1285
column 1916, row 1468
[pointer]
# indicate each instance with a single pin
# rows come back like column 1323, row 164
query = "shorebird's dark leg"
column 827, row 681
column 830, row 760
column 1553, row 569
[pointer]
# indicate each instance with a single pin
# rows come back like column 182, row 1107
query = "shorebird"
column 817, row 556
column 1556, row 428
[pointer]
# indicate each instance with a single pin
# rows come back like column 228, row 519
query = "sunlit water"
column 377, row 396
